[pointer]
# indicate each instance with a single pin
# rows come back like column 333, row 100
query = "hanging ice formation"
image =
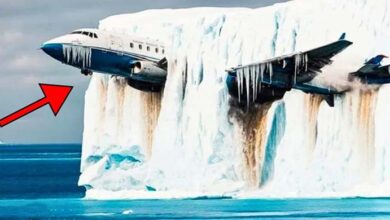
column 252, row 77
column 300, row 61
column 77, row 55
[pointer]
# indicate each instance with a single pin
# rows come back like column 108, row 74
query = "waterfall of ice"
column 191, row 141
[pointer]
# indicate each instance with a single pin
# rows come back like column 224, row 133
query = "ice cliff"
column 191, row 140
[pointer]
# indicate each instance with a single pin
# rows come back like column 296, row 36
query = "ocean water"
column 40, row 171
column 40, row 181
column 198, row 209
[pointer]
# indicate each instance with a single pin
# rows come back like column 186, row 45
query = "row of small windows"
column 86, row 33
column 147, row 48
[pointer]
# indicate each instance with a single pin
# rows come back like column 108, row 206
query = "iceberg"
column 191, row 140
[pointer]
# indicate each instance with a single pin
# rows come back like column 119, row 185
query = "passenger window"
column 140, row 47
column 90, row 35
column 95, row 35
column 131, row 45
column 148, row 48
column 156, row 49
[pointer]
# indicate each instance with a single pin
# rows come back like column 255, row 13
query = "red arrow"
column 55, row 96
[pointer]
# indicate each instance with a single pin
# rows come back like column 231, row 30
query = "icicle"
column 247, row 82
column 251, row 77
column 256, row 82
column 270, row 71
column 298, row 60
column 77, row 54
column 253, row 83
column 262, row 67
column 239, row 83
column 257, row 72
column 284, row 64
column 305, row 61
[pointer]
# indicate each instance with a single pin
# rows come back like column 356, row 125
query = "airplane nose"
column 45, row 48
column 48, row 48
column 53, row 49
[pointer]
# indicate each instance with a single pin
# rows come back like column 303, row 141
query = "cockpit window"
column 86, row 33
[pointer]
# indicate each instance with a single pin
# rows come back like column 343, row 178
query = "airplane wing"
column 303, row 65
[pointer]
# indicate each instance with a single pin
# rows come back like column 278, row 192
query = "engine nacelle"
column 147, row 69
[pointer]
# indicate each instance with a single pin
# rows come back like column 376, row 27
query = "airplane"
column 140, row 60
column 270, row 79
column 372, row 72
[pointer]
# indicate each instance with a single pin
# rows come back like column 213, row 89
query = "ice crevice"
column 190, row 141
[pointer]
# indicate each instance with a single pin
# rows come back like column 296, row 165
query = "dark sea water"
column 40, row 182
column 40, row 171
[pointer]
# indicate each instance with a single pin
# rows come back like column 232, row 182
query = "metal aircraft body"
column 372, row 72
column 141, row 61
column 269, row 80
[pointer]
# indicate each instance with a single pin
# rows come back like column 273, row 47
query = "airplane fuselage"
column 92, row 50
column 269, row 80
column 372, row 74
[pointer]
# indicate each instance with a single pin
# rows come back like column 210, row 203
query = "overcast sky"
column 24, row 25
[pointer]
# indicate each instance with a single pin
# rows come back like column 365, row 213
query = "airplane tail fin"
column 376, row 60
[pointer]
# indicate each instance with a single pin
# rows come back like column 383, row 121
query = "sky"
column 25, row 25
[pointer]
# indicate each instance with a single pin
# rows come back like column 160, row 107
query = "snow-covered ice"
column 189, row 141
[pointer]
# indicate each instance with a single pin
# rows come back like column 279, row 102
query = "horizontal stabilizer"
column 326, row 93
column 329, row 99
